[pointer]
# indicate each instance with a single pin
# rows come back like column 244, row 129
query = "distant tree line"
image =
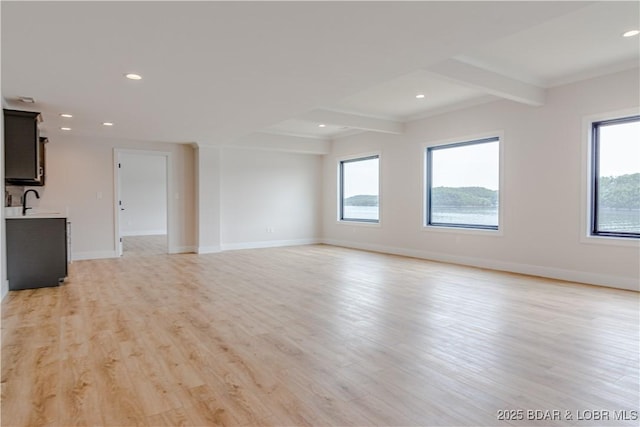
column 615, row 192
column 361, row 200
column 619, row 192
column 464, row 197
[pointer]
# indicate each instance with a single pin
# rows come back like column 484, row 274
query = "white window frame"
column 355, row 157
column 586, row 181
column 501, row 192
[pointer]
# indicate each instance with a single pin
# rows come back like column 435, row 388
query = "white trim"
column 168, row 187
column 629, row 242
column 585, row 181
column 351, row 157
column 501, row 187
column 143, row 233
column 142, row 152
column 183, row 250
column 80, row 256
column 208, row 249
column 117, row 244
column 610, row 281
column 269, row 244
column 359, row 223
column 462, row 230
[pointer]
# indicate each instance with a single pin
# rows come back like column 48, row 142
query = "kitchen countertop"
column 16, row 213
column 37, row 216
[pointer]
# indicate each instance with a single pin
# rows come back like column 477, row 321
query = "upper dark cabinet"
column 24, row 156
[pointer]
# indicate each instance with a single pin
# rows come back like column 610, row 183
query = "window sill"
column 359, row 223
column 611, row 241
column 463, row 230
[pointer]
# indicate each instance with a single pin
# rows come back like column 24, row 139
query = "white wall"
column 269, row 198
column 143, row 183
column 4, row 283
column 542, row 194
column 80, row 182
column 208, row 199
column 252, row 192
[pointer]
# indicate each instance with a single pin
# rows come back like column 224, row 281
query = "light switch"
column 99, row 195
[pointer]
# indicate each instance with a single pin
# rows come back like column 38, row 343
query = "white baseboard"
column 80, row 256
column 619, row 282
column 183, row 249
column 207, row 249
column 268, row 244
column 143, row 233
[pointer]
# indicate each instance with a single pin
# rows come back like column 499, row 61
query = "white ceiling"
column 582, row 44
column 396, row 99
column 227, row 72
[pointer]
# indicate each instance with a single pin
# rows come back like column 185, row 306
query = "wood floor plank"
column 313, row 335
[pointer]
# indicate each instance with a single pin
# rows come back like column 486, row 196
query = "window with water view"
column 463, row 182
column 615, row 178
column 359, row 189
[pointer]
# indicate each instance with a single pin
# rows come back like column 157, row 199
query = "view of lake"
column 626, row 220
column 465, row 215
column 361, row 212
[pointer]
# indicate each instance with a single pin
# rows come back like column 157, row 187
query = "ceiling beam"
column 353, row 121
column 489, row 82
column 277, row 142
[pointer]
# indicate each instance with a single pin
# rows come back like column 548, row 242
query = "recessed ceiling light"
column 322, row 125
column 66, row 115
column 65, row 128
column 631, row 33
column 420, row 96
column 132, row 76
column 107, row 124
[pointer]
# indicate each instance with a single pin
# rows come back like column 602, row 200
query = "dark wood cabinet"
column 24, row 149
column 42, row 142
column 36, row 252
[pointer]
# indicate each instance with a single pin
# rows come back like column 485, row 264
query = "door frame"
column 117, row 153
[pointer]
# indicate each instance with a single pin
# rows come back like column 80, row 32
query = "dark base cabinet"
column 36, row 252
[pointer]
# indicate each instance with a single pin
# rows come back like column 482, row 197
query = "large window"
column 615, row 178
column 463, row 181
column 359, row 189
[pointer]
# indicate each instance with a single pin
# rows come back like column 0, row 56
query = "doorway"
column 142, row 202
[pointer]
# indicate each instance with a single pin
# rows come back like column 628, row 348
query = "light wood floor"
column 134, row 246
column 313, row 335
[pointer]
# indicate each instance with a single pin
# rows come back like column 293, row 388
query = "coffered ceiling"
column 224, row 73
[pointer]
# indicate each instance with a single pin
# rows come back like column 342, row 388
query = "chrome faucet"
column 24, row 200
